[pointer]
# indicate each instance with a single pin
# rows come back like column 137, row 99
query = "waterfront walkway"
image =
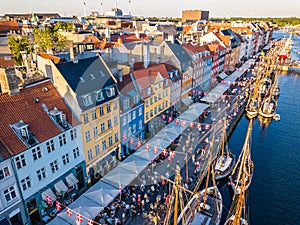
column 128, row 193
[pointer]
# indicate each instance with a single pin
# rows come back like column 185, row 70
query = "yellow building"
column 154, row 86
column 88, row 86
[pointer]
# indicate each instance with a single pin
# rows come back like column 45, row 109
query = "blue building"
column 207, row 71
column 131, row 117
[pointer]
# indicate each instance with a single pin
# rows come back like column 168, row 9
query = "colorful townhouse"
column 90, row 88
column 131, row 116
column 12, row 209
column 214, row 50
column 154, row 87
column 43, row 139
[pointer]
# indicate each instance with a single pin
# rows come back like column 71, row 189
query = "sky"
column 159, row 8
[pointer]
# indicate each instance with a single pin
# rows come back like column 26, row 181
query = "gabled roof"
column 179, row 52
column 9, row 25
column 87, row 76
column 129, row 37
column 23, row 107
column 146, row 77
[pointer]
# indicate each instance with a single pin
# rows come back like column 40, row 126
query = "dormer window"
column 87, row 100
column 149, row 91
column 136, row 99
column 126, row 103
column 22, row 130
column 59, row 117
column 110, row 92
column 99, row 96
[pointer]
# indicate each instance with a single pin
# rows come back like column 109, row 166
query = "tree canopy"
column 47, row 38
column 18, row 45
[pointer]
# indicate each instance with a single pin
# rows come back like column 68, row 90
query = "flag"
column 172, row 154
column 79, row 218
column 58, row 206
column 90, row 222
column 170, row 119
column 262, row 53
column 49, row 200
column 131, row 141
column 177, row 121
column 69, row 212
column 207, row 126
column 155, row 149
column 198, row 125
column 163, row 116
column 147, row 147
column 191, row 124
column 124, row 137
column 165, row 152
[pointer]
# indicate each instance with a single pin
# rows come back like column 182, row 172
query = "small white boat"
column 276, row 117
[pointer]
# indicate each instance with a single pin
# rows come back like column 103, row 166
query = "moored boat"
column 268, row 108
column 244, row 166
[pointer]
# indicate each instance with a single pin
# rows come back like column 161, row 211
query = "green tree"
column 46, row 38
column 18, row 45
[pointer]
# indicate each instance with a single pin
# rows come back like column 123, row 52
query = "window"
column 133, row 115
column 101, row 109
column 97, row 149
column 94, row 114
column 147, row 115
column 140, row 111
column 163, row 105
column 155, row 110
column 147, row 103
column 87, row 136
column 110, row 141
column 109, row 124
column 66, row 158
column 41, row 174
column 111, row 92
column 134, row 128
column 115, row 120
column 50, row 146
column 96, row 133
column 104, row 145
column 166, row 103
column 151, row 101
column 129, row 131
column 140, row 124
column 54, row 166
column 62, row 140
column 136, row 99
column 86, row 118
column 73, row 134
column 124, row 120
column 151, row 112
column 102, row 127
column 87, row 100
column 10, row 193
column 108, row 108
column 155, row 98
column 20, row 161
column 116, row 137
column 126, row 103
column 99, row 96
column 4, row 173
column 90, row 154
column 115, row 105
column 26, row 183
column 36, row 153
column 76, row 152
column 149, row 91
column 129, row 117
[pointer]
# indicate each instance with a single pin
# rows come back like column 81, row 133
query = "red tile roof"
column 55, row 59
column 146, row 77
column 129, row 37
column 23, row 107
column 7, row 62
column 9, row 25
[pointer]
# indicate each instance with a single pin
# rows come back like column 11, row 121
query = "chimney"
column 146, row 55
column 9, row 81
column 107, row 34
column 129, row 8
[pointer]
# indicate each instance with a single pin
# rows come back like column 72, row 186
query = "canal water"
column 274, row 195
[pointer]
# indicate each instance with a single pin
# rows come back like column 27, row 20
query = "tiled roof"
column 129, row 37
column 23, row 107
column 179, row 52
column 146, row 77
column 87, row 76
column 55, row 59
column 6, row 62
column 9, row 25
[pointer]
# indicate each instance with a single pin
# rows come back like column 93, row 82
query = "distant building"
column 194, row 15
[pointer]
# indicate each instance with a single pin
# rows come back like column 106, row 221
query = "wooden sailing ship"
column 243, row 166
column 237, row 213
column 226, row 161
column 205, row 207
